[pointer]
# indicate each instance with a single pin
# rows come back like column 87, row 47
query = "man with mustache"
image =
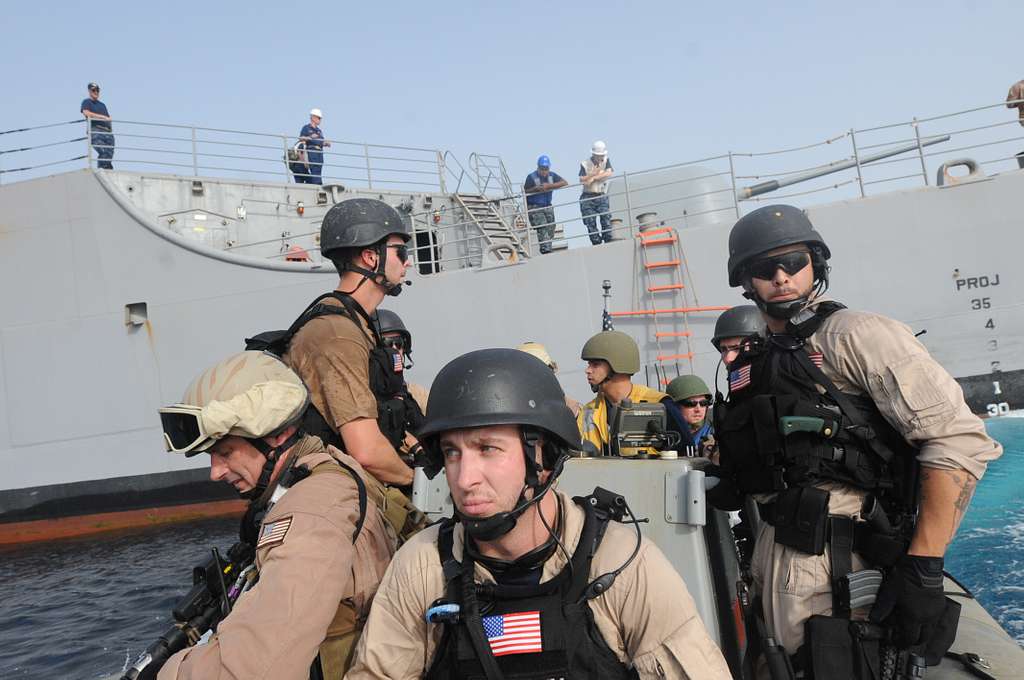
column 831, row 426
column 322, row 542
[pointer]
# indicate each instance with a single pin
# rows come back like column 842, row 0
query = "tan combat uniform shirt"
column 307, row 568
column 647, row 617
column 1016, row 93
column 875, row 356
column 332, row 356
column 869, row 354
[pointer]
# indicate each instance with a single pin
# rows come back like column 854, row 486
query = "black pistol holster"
column 840, row 649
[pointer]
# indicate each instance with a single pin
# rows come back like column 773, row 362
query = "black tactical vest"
column 397, row 411
column 540, row 632
column 778, row 430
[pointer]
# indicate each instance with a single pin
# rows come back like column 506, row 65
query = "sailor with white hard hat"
column 594, row 174
column 313, row 137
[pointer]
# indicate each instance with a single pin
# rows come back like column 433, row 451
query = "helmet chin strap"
column 271, row 453
column 379, row 276
column 596, row 387
column 499, row 524
column 788, row 309
column 780, row 310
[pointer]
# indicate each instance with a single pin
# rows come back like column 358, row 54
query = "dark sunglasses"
column 401, row 250
column 691, row 403
column 791, row 263
column 396, row 343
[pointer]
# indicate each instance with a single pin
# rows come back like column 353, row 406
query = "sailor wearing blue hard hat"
column 538, row 187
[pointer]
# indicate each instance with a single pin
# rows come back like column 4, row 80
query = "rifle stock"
column 200, row 610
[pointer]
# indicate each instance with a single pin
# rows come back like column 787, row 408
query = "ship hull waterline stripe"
column 33, row 531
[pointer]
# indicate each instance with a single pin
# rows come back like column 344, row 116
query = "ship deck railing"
column 908, row 154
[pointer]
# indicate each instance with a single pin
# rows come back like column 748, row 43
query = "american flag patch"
column 272, row 534
column 516, row 633
column 399, row 364
column 816, row 358
column 739, row 378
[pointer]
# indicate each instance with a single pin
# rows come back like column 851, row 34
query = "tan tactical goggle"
column 183, row 429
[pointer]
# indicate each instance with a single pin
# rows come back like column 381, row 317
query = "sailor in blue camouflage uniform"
column 100, row 127
column 538, row 187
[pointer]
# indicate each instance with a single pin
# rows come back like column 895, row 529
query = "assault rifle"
column 202, row 608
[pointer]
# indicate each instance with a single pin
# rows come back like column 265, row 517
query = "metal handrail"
column 157, row 144
column 34, row 150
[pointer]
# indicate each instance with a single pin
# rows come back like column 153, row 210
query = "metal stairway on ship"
column 498, row 236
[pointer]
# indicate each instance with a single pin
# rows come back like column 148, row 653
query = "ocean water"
column 987, row 555
column 85, row 608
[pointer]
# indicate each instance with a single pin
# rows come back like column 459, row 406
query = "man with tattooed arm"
column 861, row 454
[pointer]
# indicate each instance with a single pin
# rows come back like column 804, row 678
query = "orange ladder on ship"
column 666, row 278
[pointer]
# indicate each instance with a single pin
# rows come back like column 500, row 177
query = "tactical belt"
column 876, row 547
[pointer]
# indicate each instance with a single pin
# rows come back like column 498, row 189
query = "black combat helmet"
column 359, row 222
column 502, row 387
column 362, row 223
column 390, row 322
column 497, row 387
column 766, row 229
column 741, row 321
column 769, row 228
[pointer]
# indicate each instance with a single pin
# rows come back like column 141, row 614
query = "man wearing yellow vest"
column 612, row 358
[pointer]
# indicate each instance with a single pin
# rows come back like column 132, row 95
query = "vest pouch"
column 766, row 427
column 340, row 643
column 801, row 519
column 404, row 517
column 386, row 382
column 391, row 421
column 739, row 455
column 833, row 652
column 384, row 379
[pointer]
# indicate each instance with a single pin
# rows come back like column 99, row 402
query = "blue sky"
column 661, row 82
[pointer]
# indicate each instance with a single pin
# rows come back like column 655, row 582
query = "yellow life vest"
column 593, row 421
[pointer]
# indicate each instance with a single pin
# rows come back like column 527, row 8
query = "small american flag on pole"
column 739, row 378
column 515, row 633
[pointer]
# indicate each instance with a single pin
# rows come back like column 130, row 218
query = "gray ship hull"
column 103, row 320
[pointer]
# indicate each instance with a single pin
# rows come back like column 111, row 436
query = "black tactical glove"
column 723, row 495
column 911, row 600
